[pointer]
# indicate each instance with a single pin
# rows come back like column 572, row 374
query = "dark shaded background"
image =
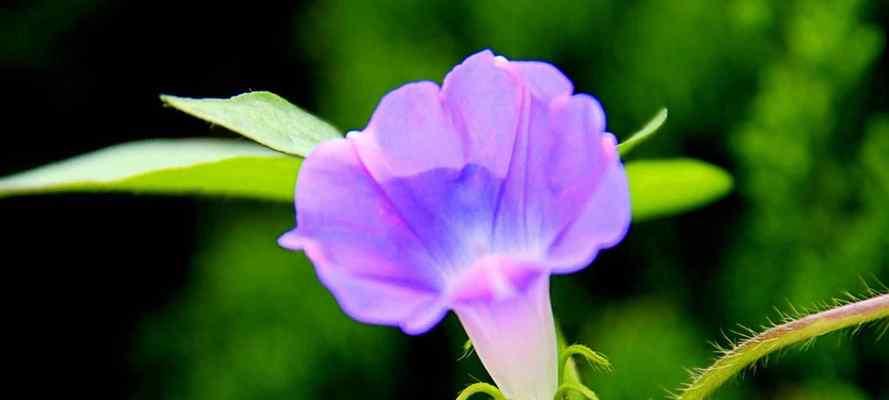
column 116, row 296
column 80, row 75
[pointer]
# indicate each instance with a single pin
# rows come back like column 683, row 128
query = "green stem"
column 781, row 336
column 568, row 388
column 481, row 387
column 595, row 359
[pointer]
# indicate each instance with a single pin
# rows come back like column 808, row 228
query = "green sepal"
column 643, row 134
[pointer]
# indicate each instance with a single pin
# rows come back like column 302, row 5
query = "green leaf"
column 643, row 134
column 665, row 187
column 225, row 167
column 262, row 116
column 172, row 166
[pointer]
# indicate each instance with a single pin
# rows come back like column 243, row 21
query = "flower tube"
column 467, row 197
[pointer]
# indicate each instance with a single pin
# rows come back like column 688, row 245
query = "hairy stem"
column 781, row 336
column 568, row 388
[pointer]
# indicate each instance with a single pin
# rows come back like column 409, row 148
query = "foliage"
column 175, row 166
column 262, row 116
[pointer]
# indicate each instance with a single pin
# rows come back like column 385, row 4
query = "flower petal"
column 602, row 223
column 515, row 339
column 593, row 191
column 385, row 302
column 485, row 101
column 449, row 210
column 557, row 179
column 365, row 253
column 413, row 133
column 493, row 278
column 544, row 80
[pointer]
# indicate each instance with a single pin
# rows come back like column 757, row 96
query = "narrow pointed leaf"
column 643, row 134
column 174, row 166
column 262, row 116
column 670, row 186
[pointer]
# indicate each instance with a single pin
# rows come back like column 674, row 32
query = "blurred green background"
column 792, row 97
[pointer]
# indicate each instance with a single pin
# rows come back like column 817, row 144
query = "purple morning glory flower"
column 467, row 197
